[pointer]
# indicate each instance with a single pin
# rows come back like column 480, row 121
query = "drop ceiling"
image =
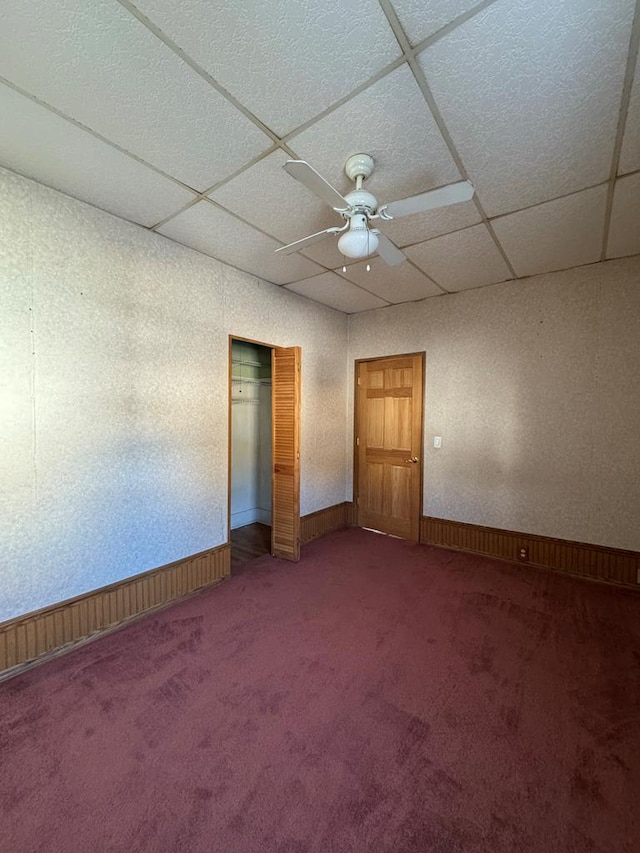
column 179, row 116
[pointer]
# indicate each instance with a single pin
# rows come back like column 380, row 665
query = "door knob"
column 413, row 459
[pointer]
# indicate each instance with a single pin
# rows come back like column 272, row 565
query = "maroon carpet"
column 378, row 697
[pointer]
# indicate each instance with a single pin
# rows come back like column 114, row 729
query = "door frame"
column 273, row 348
column 356, row 474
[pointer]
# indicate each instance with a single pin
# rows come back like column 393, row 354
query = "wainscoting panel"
column 325, row 520
column 576, row 558
column 46, row 631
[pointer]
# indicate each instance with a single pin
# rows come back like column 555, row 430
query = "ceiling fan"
column 359, row 207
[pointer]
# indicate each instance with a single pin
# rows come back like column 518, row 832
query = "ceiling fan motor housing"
column 360, row 201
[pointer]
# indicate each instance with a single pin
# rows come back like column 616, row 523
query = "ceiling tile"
column 329, row 289
column 390, row 121
column 624, row 232
column 216, row 233
column 266, row 196
column 557, row 235
column 326, row 253
column 462, row 260
column 403, row 283
column 43, row 146
column 433, row 223
column 269, row 198
column 530, row 91
column 96, row 63
column 301, row 57
column 630, row 153
column 420, row 19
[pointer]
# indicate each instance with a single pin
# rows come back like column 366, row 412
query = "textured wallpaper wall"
column 535, row 390
column 113, row 395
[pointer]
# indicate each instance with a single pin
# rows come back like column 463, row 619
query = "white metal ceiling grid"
column 179, row 120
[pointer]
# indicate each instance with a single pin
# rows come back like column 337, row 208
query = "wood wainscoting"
column 596, row 562
column 44, row 633
column 325, row 520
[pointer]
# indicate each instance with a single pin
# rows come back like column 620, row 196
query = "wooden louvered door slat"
column 285, row 523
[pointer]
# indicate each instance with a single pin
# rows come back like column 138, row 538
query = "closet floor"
column 249, row 542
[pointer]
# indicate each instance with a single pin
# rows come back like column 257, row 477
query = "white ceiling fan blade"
column 307, row 241
column 307, row 175
column 452, row 194
column 388, row 251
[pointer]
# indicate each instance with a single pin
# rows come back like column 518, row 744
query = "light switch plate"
column 437, row 441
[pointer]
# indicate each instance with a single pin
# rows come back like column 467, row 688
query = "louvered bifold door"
column 285, row 524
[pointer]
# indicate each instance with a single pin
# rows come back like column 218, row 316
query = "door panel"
column 285, row 525
column 389, row 417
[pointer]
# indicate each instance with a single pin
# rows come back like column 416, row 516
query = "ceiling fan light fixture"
column 359, row 207
column 358, row 241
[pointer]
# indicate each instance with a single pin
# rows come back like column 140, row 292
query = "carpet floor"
column 377, row 697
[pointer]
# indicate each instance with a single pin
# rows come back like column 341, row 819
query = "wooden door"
column 285, row 522
column 389, row 396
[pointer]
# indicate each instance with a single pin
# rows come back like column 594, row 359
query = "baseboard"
column 44, row 633
column 325, row 520
column 596, row 562
column 250, row 516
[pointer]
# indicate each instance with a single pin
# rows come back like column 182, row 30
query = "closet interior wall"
column 250, row 434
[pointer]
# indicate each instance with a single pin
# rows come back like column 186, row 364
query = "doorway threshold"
column 382, row 533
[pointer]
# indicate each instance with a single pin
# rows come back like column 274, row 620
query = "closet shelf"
column 249, row 363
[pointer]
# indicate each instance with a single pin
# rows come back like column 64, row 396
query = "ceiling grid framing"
column 282, row 143
column 286, row 141
column 60, row 114
column 447, row 28
column 371, row 293
column 184, row 56
column 625, row 99
column 421, row 80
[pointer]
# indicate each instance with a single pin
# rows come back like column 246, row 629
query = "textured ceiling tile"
column 41, row 145
column 557, row 235
column 216, row 233
column 462, row 260
column 624, row 233
column 630, row 153
column 420, row 19
column 284, row 62
column 98, row 64
column 326, row 253
column 403, row 283
column 269, row 198
column 329, row 289
column 433, row 223
column 530, row 91
column 390, row 121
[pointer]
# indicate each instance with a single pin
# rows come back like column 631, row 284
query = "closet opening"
column 251, row 463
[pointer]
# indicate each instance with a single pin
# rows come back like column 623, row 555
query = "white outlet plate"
column 437, row 441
